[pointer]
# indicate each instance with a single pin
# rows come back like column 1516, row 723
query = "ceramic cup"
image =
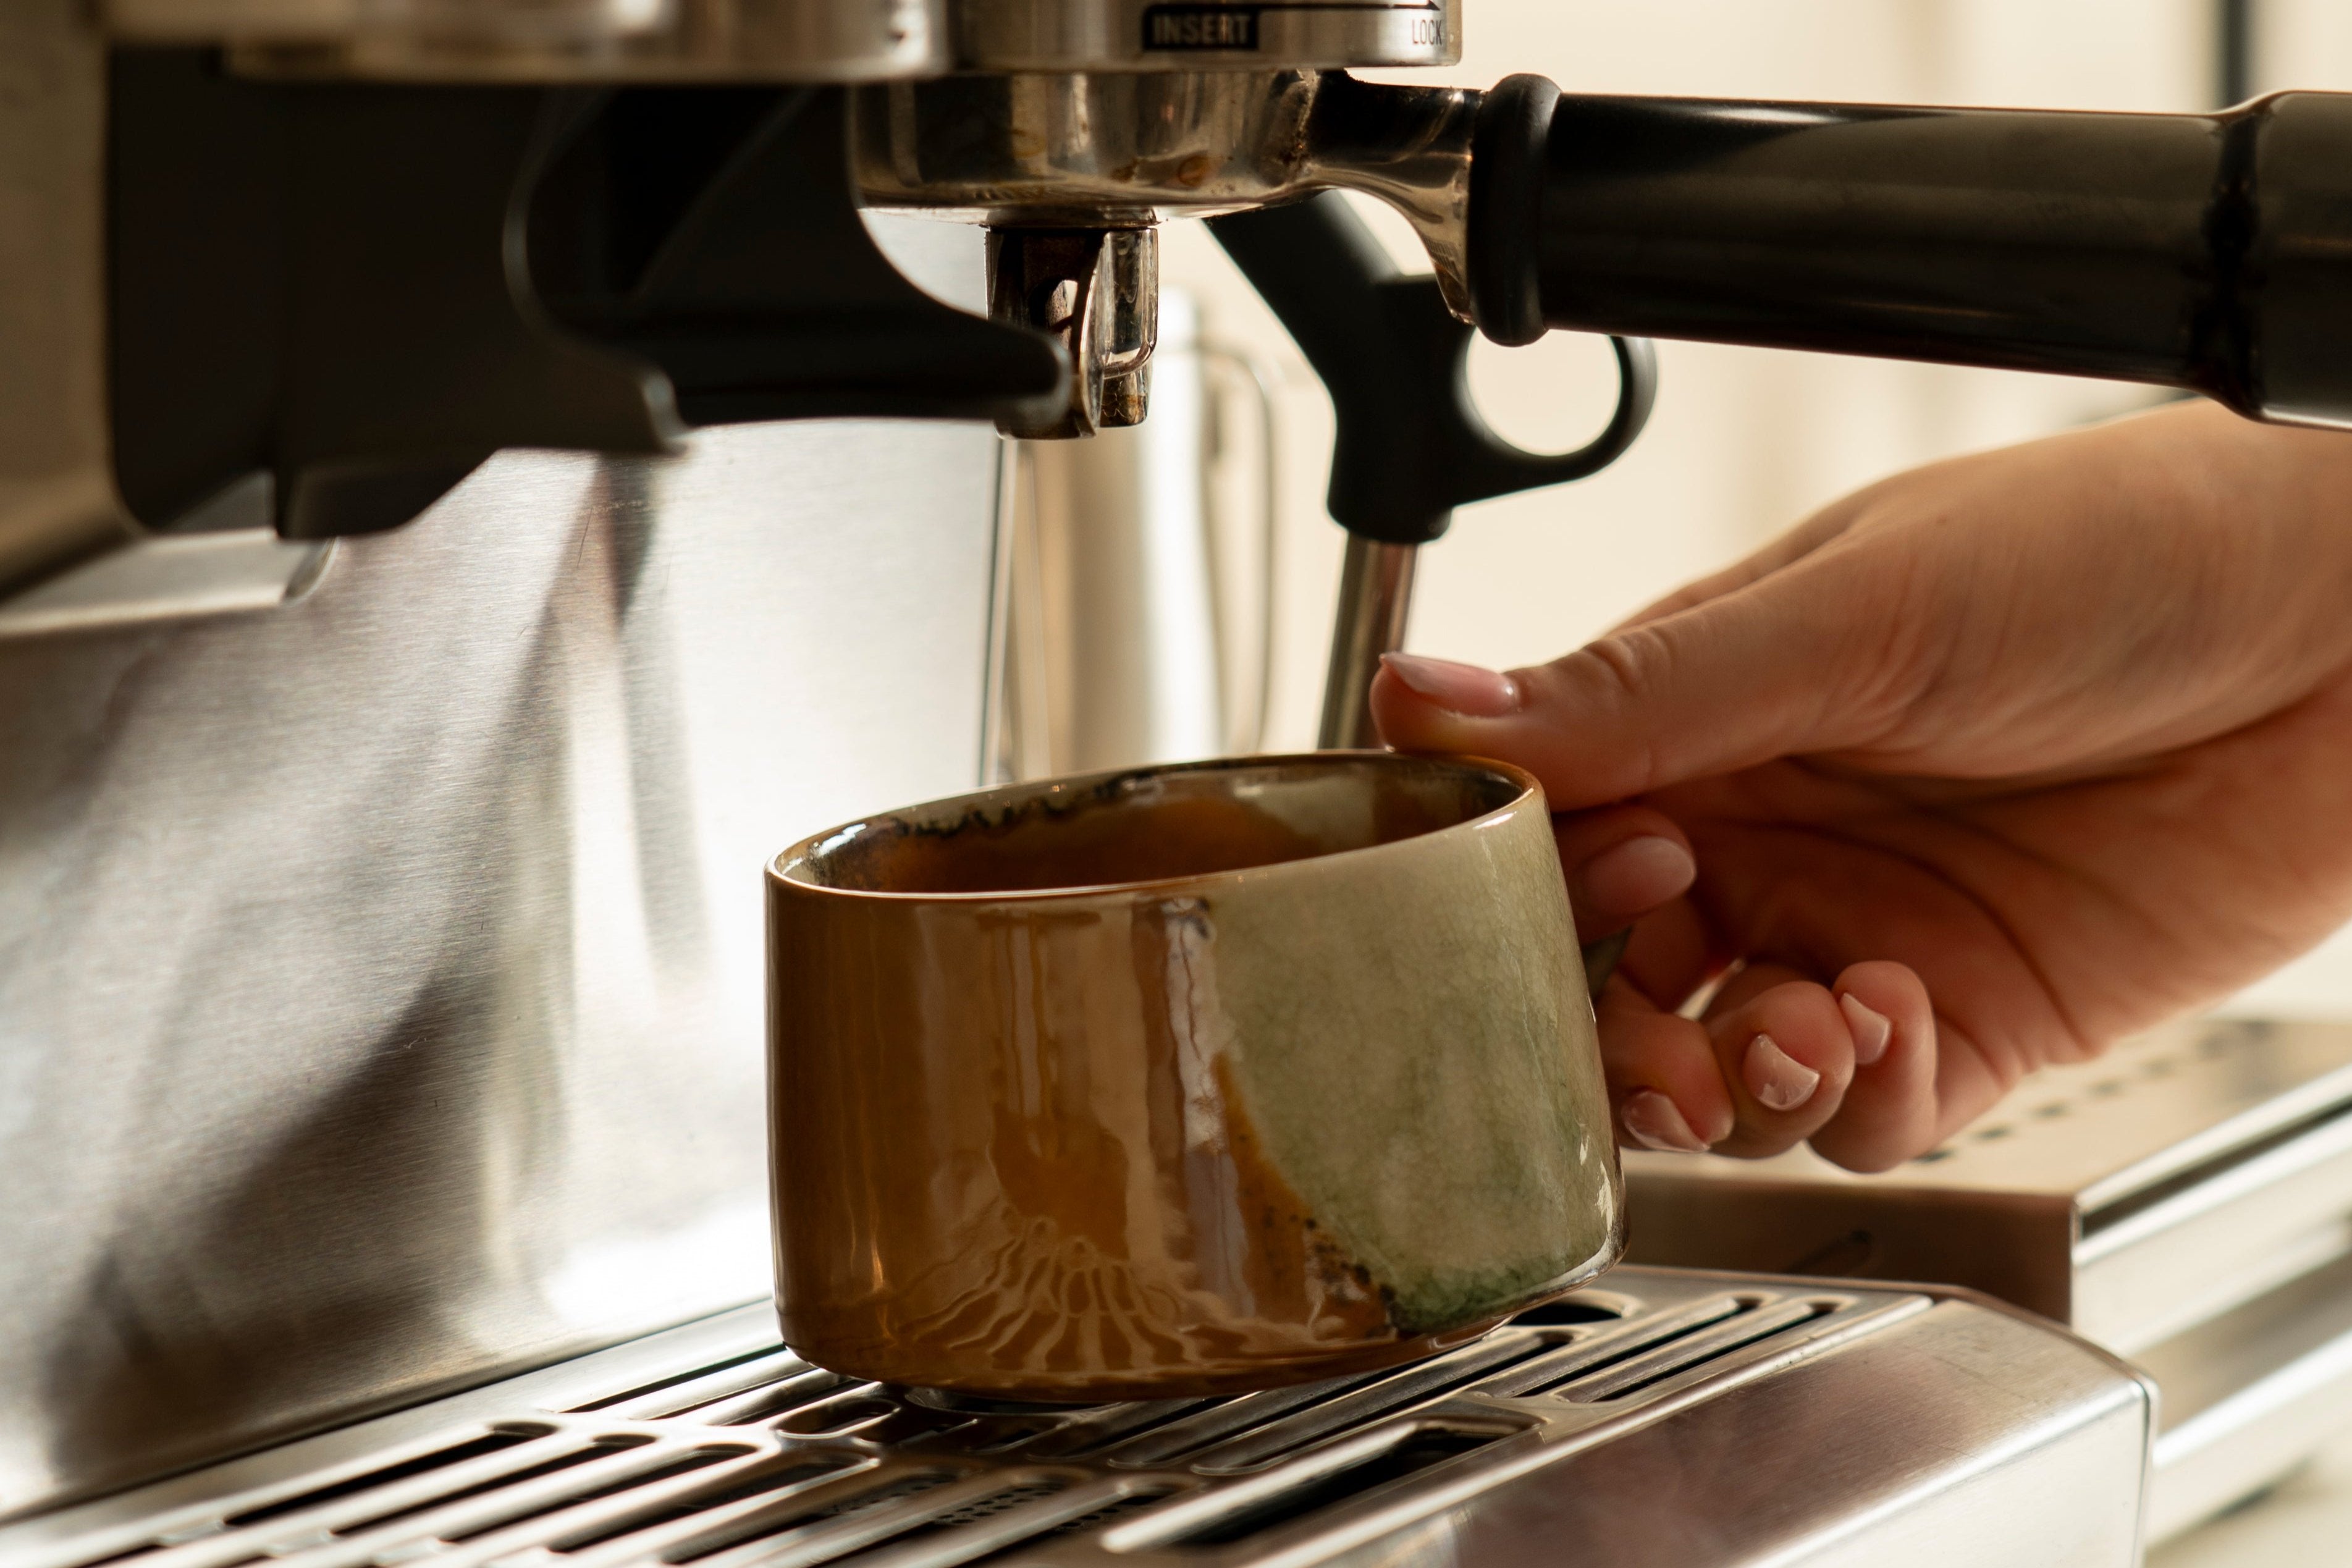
column 1182, row 1078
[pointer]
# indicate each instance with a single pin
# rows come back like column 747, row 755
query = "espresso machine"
column 477, row 477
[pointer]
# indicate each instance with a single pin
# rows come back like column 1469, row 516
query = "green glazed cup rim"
column 793, row 867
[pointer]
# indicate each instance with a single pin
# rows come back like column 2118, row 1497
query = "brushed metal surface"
column 2249, row 1395
column 2168, row 1179
column 2186, row 1199
column 1375, row 598
column 1689, row 1419
column 380, row 973
column 555, row 40
column 168, row 577
column 57, row 493
column 1952, row 1438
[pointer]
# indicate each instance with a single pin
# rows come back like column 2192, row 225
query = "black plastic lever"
column 1410, row 444
column 365, row 290
column 2208, row 252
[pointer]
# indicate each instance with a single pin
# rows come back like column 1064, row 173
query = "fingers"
column 1621, row 865
column 1796, row 663
column 1672, row 955
column 1892, row 1111
column 1792, row 546
column 1780, row 1060
column 1663, row 1080
column 1786, row 1055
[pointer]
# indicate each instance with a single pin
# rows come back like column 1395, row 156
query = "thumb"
column 1770, row 670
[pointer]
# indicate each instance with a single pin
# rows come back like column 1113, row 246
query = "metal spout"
column 1097, row 292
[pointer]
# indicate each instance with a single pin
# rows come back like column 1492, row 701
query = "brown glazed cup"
column 1182, row 1080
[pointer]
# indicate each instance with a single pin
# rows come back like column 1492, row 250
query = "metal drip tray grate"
column 757, row 1458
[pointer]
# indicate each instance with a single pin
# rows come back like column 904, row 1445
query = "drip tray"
column 1673, row 1417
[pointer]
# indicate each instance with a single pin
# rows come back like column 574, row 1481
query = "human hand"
column 1976, row 771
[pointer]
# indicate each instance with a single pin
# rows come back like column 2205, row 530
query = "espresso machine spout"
column 1071, row 172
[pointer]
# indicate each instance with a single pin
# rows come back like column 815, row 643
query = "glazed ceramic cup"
column 1182, row 1078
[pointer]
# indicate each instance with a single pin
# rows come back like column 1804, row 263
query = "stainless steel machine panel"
column 1693, row 1420
column 380, row 971
column 2185, row 1200
column 550, row 41
column 2184, row 1172
column 57, row 498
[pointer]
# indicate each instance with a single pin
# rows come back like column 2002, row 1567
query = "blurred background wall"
column 1745, row 442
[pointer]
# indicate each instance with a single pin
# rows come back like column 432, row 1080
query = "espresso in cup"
column 1182, row 1080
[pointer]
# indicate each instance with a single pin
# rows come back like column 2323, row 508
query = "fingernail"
column 1778, row 1080
column 1464, row 689
column 1872, row 1032
column 1656, row 1122
column 1635, row 876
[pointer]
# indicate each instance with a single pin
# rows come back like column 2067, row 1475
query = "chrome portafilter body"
column 1157, row 36
column 1058, row 163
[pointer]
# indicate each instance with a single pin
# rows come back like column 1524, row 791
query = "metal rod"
column 1375, row 593
column 2234, row 42
column 996, row 755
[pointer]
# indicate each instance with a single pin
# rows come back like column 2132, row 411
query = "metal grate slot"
column 649, row 1495
column 982, row 1526
column 521, row 1511
column 773, row 1463
column 1256, row 1429
column 870, row 1519
column 1094, row 1430
column 1637, row 1372
column 456, row 1514
column 306, row 1518
column 995, row 1436
column 913, row 1422
column 603, row 1449
column 1108, row 1514
column 1593, row 1351
column 657, row 1532
column 490, row 1442
column 700, row 1502
column 1265, row 1445
column 1568, row 1310
column 836, row 1417
column 769, row 1522
column 1225, row 1418
column 770, row 1400
column 1010, row 1536
column 1415, row 1450
column 994, row 1504
column 113, row 1558
column 669, row 1395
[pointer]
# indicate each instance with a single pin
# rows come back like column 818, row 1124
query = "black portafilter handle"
column 1410, row 445
column 2211, row 252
